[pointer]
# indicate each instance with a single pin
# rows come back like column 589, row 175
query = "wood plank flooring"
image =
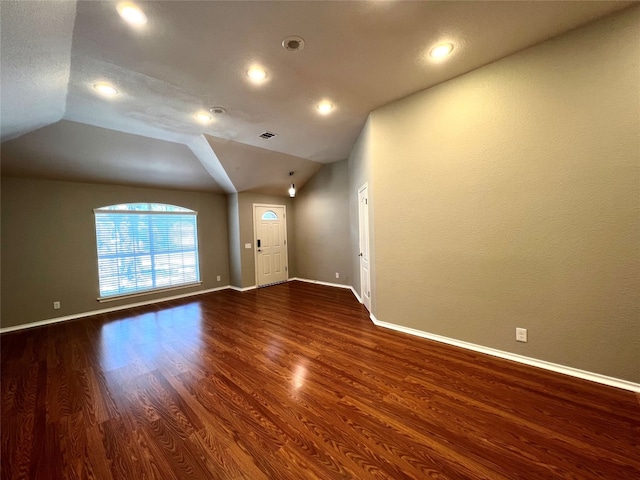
column 293, row 382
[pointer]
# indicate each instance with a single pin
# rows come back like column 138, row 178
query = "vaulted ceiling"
column 193, row 55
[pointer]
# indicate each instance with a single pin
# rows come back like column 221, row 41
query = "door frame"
column 366, row 300
column 255, row 240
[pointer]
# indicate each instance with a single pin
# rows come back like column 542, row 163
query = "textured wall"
column 322, row 226
column 509, row 197
column 235, row 249
column 49, row 244
column 360, row 161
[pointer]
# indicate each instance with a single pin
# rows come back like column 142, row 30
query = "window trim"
column 147, row 292
column 144, row 212
column 106, row 210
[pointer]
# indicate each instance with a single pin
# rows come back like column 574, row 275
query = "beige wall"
column 235, row 252
column 509, row 197
column 49, row 244
column 245, row 214
column 359, row 166
column 322, row 243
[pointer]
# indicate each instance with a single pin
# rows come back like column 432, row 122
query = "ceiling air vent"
column 267, row 135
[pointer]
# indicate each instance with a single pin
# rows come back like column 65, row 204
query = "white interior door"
column 270, row 229
column 365, row 274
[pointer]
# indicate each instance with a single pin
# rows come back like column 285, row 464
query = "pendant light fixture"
column 292, row 188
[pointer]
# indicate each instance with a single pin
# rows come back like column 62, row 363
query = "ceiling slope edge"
column 36, row 64
column 258, row 170
column 203, row 152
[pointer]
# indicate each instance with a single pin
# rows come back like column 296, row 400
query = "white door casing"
column 363, row 221
column 270, row 243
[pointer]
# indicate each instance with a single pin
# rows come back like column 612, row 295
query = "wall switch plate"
column 337, row 275
column 247, row 245
column 521, row 334
column 56, row 305
column 218, row 278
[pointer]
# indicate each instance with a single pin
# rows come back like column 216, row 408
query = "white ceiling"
column 35, row 61
column 194, row 55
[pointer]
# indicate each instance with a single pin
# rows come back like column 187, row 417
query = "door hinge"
column 366, row 201
column 286, row 269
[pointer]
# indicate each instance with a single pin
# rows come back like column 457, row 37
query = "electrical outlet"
column 337, row 275
column 56, row 305
column 218, row 278
column 521, row 334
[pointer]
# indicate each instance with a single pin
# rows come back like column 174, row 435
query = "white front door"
column 365, row 274
column 270, row 229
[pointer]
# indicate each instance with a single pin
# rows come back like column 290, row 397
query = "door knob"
column 360, row 254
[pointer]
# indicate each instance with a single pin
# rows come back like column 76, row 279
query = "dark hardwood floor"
column 293, row 382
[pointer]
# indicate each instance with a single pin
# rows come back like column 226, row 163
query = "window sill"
column 147, row 292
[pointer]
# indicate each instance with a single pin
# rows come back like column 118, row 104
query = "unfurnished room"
column 273, row 240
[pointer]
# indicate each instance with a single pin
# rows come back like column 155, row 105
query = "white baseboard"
column 319, row 282
column 554, row 367
column 243, row 289
column 75, row 316
column 337, row 285
column 50, row 321
column 355, row 294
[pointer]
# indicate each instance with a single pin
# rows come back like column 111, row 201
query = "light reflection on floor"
column 138, row 339
column 299, row 374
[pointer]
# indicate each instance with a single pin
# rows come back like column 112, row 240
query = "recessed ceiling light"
column 442, row 50
column 131, row 14
column 324, row 107
column 105, row 89
column 256, row 74
column 203, row 117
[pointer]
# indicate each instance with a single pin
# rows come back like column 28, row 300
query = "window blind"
column 143, row 250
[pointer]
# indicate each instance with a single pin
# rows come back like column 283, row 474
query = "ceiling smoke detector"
column 293, row 43
column 218, row 110
column 267, row 135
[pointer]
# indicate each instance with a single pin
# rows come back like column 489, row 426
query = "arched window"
column 269, row 215
column 145, row 247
